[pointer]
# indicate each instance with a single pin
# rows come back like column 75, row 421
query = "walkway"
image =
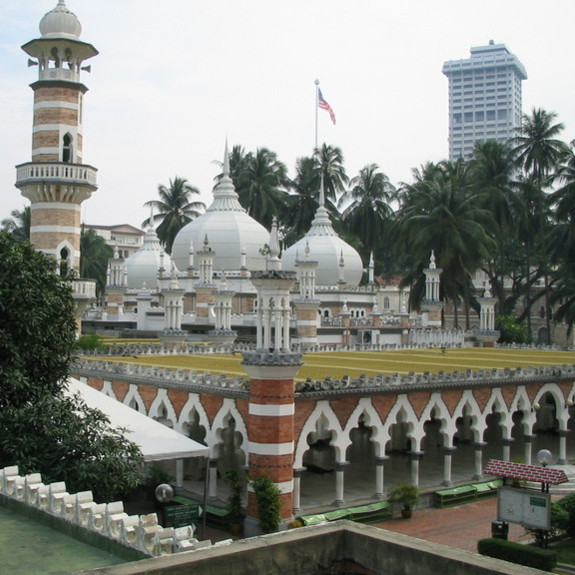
column 461, row 527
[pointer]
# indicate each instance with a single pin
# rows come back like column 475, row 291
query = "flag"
column 324, row 105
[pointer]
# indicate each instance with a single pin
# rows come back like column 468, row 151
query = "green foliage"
column 269, row 504
column 37, row 328
column 236, row 480
column 510, row 330
column 94, row 256
column 42, row 429
column 175, row 209
column 90, row 342
column 567, row 521
column 404, row 493
column 65, row 440
column 544, row 559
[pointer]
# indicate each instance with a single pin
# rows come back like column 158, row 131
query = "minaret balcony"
column 56, row 173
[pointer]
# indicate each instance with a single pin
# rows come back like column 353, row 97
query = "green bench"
column 215, row 516
column 466, row 493
column 371, row 513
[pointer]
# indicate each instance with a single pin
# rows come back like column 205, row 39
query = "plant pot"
column 406, row 513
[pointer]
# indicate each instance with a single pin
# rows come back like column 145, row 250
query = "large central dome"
column 229, row 230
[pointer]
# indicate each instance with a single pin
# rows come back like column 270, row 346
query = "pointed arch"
column 371, row 419
column 322, row 408
column 214, row 433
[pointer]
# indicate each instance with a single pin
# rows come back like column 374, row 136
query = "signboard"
column 527, row 507
column 181, row 515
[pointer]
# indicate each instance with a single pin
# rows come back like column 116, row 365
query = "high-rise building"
column 484, row 97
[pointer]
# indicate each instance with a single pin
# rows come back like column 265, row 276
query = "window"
column 67, row 149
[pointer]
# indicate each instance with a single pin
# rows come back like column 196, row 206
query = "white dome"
column 229, row 230
column 328, row 250
column 142, row 266
column 60, row 23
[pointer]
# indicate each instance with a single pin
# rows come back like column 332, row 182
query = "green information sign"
column 538, row 501
column 181, row 515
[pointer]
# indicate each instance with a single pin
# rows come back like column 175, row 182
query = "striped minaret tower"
column 57, row 181
column 271, row 369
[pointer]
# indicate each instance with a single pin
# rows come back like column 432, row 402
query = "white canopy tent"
column 156, row 441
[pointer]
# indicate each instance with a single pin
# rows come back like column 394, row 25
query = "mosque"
column 227, row 282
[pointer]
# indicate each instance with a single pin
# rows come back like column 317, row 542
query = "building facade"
column 484, row 97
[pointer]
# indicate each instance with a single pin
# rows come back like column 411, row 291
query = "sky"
column 175, row 78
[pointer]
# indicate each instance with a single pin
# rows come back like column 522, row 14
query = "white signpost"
column 527, row 507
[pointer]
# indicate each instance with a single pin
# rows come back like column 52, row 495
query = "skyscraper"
column 484, row 97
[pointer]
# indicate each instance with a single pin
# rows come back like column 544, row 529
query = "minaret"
column 432, row 305
column 57, row 181
column 272, row 368
column 306, row 304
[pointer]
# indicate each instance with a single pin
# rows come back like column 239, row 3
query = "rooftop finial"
column 321, row 193
column 226, row 168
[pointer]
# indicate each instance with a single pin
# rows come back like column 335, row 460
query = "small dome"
column 229, row 230
column 328, row 249
column 60, row 23
column 142, row 267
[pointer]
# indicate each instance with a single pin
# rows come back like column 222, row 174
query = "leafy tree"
column 94, row 256
column 41, row 428
column 18, row 225
column 175, row 209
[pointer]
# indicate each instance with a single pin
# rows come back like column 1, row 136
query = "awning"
column 157, row 442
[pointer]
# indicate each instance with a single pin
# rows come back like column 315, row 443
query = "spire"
column 321, row 193
column 432, row 265
column 274, row 262
column 226, row 166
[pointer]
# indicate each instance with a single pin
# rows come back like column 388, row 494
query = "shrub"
column 269, row 504
column 567, row 505
column 544, row 559
column 90, row 342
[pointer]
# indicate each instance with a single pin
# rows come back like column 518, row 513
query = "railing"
column 84, row 288
column 60, row 172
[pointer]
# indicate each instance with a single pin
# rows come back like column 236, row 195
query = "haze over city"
column 174, row 79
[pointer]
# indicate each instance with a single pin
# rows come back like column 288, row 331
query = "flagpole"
column 316, row 107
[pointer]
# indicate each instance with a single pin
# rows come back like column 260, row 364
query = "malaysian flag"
column 324, row 105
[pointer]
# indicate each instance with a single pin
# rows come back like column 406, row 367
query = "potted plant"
column 407, row 494
column 236, row 480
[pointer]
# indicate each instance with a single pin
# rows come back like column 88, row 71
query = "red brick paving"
column 459, row 527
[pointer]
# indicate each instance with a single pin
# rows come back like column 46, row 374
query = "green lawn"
column 338, row 364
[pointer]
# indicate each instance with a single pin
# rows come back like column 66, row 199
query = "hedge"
column 544, row 559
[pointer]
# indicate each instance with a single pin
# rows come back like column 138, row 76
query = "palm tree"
column 539, row 152
column 94, row 256
column 261, row 186
column 303, row 203
column 441, row 211
column 174, row 209
column 368, row 209
column 18, row 226
column 329, row 161
column 491, row 172
column 536, row 147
